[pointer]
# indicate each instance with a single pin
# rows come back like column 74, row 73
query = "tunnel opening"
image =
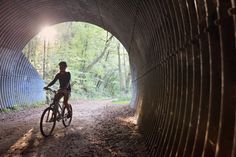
column 97, row 61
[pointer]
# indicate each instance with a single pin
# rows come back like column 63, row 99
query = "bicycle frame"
column 56, row 106
column 55, row 112
column 57, row 109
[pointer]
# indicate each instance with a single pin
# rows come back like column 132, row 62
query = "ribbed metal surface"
column 182, row 56
column 20, row 83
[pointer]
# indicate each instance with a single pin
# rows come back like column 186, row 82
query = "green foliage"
column 19, row 107
column 5, row 110
column 92, row 60
column 120, row 102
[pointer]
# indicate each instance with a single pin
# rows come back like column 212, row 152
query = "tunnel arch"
column 182, row 57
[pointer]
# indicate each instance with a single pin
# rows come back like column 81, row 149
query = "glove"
column 46, row 88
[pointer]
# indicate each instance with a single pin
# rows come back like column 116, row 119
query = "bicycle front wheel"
column 47, row 122
column 66, row 116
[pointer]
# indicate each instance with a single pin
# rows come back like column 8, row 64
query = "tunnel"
column 182, row 58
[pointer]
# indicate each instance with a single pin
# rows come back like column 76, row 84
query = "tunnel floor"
column 98, row 128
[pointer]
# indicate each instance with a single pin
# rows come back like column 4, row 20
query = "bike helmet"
column 62, row 63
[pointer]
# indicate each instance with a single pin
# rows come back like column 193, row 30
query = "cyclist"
column 64, row 79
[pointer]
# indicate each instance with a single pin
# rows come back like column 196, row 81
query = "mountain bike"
column 55, row 112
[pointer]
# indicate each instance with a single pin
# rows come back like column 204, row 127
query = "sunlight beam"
column 21, row 143
column 48, row 33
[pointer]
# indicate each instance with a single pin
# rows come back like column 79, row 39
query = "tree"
column 91, row 54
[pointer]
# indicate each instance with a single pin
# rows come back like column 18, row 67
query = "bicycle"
column 55, row 112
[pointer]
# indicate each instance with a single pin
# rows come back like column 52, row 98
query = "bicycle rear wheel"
column 47, row 122
column 66, row 116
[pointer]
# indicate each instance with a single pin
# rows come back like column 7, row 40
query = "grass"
column 18, row 107
column 119, row 102
column 5, row 110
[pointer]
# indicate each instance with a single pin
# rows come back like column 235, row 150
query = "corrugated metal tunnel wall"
column 182, row 56
column 20, row 83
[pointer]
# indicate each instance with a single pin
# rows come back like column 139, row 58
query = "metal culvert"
column 182, row 56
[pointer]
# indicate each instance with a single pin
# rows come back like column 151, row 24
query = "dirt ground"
column 98, row 129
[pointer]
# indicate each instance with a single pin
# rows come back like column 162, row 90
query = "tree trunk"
column 84, row 53
column 107, row 44
column 124, row 66
column 119, row 67
column 28, row 51
column 44, row 54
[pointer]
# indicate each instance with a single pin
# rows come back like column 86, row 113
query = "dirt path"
column 98, row 129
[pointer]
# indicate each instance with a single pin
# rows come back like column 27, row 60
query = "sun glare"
column 48, row 33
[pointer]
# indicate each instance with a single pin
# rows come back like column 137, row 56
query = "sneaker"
column 59, row 117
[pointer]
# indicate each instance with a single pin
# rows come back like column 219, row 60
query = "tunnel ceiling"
column 182, row 56
column 24, row 19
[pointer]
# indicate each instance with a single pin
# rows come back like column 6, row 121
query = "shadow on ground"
column 98, row 129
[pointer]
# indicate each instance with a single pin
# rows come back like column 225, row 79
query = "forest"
column 97, row 61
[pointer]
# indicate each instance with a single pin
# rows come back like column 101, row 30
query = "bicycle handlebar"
column 47, row 88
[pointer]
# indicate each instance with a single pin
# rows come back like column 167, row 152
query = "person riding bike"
column 64, row 79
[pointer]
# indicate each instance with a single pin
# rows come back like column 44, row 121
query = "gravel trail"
column 98, row 129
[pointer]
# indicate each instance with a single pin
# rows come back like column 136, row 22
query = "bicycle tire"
column 47, row 126
column 65, row 119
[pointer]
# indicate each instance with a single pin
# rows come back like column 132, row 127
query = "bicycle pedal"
column 59, row 118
